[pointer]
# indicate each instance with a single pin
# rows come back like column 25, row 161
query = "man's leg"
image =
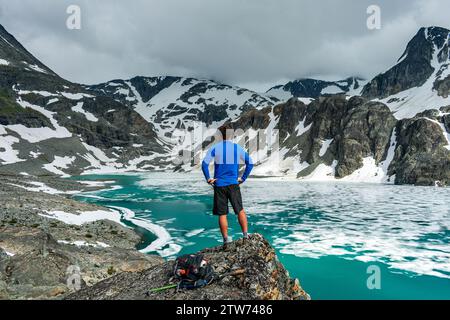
column 242, row 217
column 221, row 210
column 223, row 223
column 236, row 202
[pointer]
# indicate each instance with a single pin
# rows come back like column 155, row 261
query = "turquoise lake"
column 329, row 235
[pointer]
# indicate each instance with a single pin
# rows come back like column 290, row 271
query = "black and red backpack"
column 193, row 271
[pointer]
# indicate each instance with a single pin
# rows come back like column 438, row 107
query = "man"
column 226, row 182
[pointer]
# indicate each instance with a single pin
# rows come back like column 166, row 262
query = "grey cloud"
column 254, row 42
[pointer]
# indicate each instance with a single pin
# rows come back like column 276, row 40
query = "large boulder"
column 421, row 157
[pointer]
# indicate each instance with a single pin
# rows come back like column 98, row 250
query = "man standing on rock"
column 227, row 157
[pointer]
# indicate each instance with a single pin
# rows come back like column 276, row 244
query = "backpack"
column 193, row 272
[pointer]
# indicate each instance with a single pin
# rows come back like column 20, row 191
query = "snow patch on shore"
column 83, row 217
column 97, row 244
column 323, row 173
column 370, row 172
column 38, row 187
column 162, row 245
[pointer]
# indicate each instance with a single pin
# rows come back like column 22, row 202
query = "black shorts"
column 224, row 194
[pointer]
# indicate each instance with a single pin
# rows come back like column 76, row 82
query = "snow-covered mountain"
column 421, row 78
column 49, row 125
column 313, row 88
column 178, row 103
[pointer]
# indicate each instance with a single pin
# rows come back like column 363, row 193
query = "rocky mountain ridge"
column 353, row 140
column 314, row 88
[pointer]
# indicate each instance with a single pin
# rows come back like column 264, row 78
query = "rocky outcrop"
column 258, row 276
column 443, row 87
column 42, row 269
column 38, row 254
column 422, row 156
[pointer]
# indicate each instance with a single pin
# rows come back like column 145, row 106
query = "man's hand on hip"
column 212, row 181
column 240, row 181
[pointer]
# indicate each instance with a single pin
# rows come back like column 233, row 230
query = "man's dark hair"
column 226, row 131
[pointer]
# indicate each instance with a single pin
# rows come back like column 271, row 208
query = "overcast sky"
column 255, row 43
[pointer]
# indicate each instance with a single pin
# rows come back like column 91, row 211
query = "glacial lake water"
column 334, row 237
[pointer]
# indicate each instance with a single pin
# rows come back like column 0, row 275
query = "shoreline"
column 49, row 232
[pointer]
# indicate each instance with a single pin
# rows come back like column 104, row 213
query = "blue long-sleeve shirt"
column 227, row 156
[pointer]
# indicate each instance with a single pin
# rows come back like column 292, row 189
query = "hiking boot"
column 226, row 242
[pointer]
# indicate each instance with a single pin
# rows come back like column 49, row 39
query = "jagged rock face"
column 312, row 88
column 263, row 278
column 254, row 119
column 366, row 131
column 415, row 67
column 289, row 115
column 357, row 128
column 422, row 156
column 120, row 128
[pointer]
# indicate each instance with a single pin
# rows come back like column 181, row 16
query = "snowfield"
column 79, row 108
column 83, row 217
column 58, row 164
column 7, row 153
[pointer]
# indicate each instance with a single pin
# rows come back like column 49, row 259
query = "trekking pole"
column 163, row 288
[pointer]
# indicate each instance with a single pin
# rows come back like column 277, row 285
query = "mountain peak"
column 437, row 35
column 13, row 54
column 426, row 53
column 425, row 43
